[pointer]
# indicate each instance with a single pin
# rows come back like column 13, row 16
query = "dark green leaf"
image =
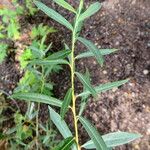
column 65, row 5
column 86, row 84
column 105, row 87
column 90, row 54
column 59, row 55
column 66, row 103
column 65, row 144
column 94, row 135
column 114, row 139
column 36, row 97
column 49, row 62
column 96, row 52
column 53, row 14
column 90, row 11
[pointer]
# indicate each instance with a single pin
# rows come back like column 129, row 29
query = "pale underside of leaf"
column 90, row 54
column 53, row 14
column 114, row 139
column 65, row 5
column 105, row 87
column 90, row 11
column 94, row 135
column 96, row 52
column 36, row 97
column 49, row 62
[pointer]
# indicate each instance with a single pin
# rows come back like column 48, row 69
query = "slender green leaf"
column 114, row 139
column 36, row 97
column 105, row 87
column 65, row 144
column 65, row 5
column 96, row 52
column 66, row 103
column 60, row 124
column 53, row 14
column 90, row 54
column 94, row 135
column 59, row 55
column 49, row 62
column 82, row 107
column 90, row 11
column 85, row 83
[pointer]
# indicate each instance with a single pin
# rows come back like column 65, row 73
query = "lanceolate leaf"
column 66, row 103
column 94, row 135
column 49, row 62
column 114, row 139
column 59, row 55
column 53, row 14
column 60, row 124
column 90, row 54
column 36, row 97
column 90, row 11
column 65, row 5
column 86, row 84
column 105, row 87
column 96, row 52
column 65, row 144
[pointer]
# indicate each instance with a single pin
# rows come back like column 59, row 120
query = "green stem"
column 73, row 93
column 73, row 81
column 38, row 109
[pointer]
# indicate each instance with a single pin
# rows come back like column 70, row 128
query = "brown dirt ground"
column 122, row 24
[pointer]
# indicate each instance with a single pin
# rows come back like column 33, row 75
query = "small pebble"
column 145, row 72
column 104, row 72
column 114, row 89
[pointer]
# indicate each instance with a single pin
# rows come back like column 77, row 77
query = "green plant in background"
column 35, row 76
column 3, row 51
column 71, row 141
column 10, row 22
column 10, row 26
column 31, row 9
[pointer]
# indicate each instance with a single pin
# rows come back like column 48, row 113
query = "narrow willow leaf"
column 85, row 83
column 65, row 144
column 82, row 107
column 94, row 135
column 53, row 14
column 114, row 139
column 90, row 11
column 60, row 124
column 65, row 5
column 90, row 54
column 87, row 77
column 96, row 52
column 105, row 87
column 36, row 97
column 67, row 48
column 66, row 103
column 49, row 62
column 59, row 55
